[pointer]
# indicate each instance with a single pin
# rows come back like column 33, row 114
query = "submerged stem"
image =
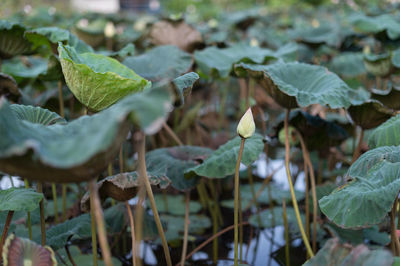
column 294, row 201
column 98, row 214
column 236, row 200
column 145, row 179
column 186, row 229
column 172, row 134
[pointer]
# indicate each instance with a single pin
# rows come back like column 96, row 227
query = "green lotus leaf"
column 183, row 87
column 175, row 225
column 160, row 63
column 127, row 50
column 91, row 32
column 81, row 149
column 19, row 199
column 22, row 251
column 389, row 98
column 318, row 134
column 325, row 33
column 348, row 64
column 386, row 134
column 98, row 81
column 175, row 204
column 366, row 199
column 298, row 84
column 123, row 186
column 36, row 115
column 385, row 22
column 12, row 41
column 369, row 114
column 9, row 87
column 335, row 253
column 378, row 64
column 219, row 62
column 175, row 161
column 222, row 161
column 17, row 69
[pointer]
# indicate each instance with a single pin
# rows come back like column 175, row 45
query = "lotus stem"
column 70, row 257
column 172, row 134
column 145, row 179
column 121, row 160
column 294, row 201
column 215, row 198
column 42, row 218
column 357, row 152
column 94, row 236
column 28, row 219
column 307, row 161
column 5, row 232
column 128, row 208
column 186, row 228
column 60, row 98
column 54, row 191
column 307, row 198
column 139, row 222
column 240, row 229
column 215, row 240
column 202, row 245
column 98, row 215
column 64, row 201
column 285, row 223
column 236, row 200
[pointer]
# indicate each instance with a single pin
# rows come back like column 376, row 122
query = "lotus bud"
column 246, row 126
column 109, row 30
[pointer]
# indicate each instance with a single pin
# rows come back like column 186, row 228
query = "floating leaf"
column 22, row 251
column 348, row 64
column 386, row 134
column 175, row 204
column 175, row 161
column 19, row 199
column 366, row 199
column 123, row 186
column 222, row 161
column 78, row 150
column 334, row 253
column 177, row 33
column 219, row 61
column 162, row 62
column 369, row 114
column 98, row 81
column 298, row 84
column 12, row 41
column 36, row 115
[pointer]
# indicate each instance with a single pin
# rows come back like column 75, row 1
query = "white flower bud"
column 246, row 126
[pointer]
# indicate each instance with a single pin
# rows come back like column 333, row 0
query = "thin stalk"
column 285, row 223
column 215, row 240
column 54, row 191
column 64, row 201
column 294, row 201
column 42, row 218
column 94, row 236
column 60, row 98
column 357, row 152
column 128, row 208
column 186, row 229
column 236, row 200
column 70, row 256
column 202, row 245
column 240, row 229
column 215, row 199
column 110, row 173
column 395, row 239
column 5, row 231
column 172, row 134
column 101, row 229
column 121, row 160
column 145, row 179
column 139, row 222
column 307, row 198
column 28, row 220
column 202, row 198
column 307, row 161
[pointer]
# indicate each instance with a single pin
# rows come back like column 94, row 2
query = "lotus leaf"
column 91, row 32
column 36, row 115
column 98, row 81
column 385, row 22
column 175, row 225
column 222, row 161
column 78, row 150
column 175, row 161
column 12, row 41
column 183, row 87
column 378, row 65
column 19, row 199
column 175, row 204
column 162, row 62
column 387, row 134
column 325, row 33
column 369, row 114
column 348, row 64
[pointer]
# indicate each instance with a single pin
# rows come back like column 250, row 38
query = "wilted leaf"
column 369, row 114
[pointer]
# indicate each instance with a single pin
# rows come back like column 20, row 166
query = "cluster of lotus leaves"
column 39, row 145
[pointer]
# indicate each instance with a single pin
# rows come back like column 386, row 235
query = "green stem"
column 98, row 214
column 240, row 229
column 236, row 200
column 54, row 191
column 12, row 181
column 145, row 179
column 186, row 229
column 215, row 240
column 139, row 222
column 29, row 214
column 215, row 199
column 287, row 244
column 42, row 218
column 60, row 99
column 294, row 201
column 5, row 231
column 172, row 134
column 128, row 208
column 94, row 236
